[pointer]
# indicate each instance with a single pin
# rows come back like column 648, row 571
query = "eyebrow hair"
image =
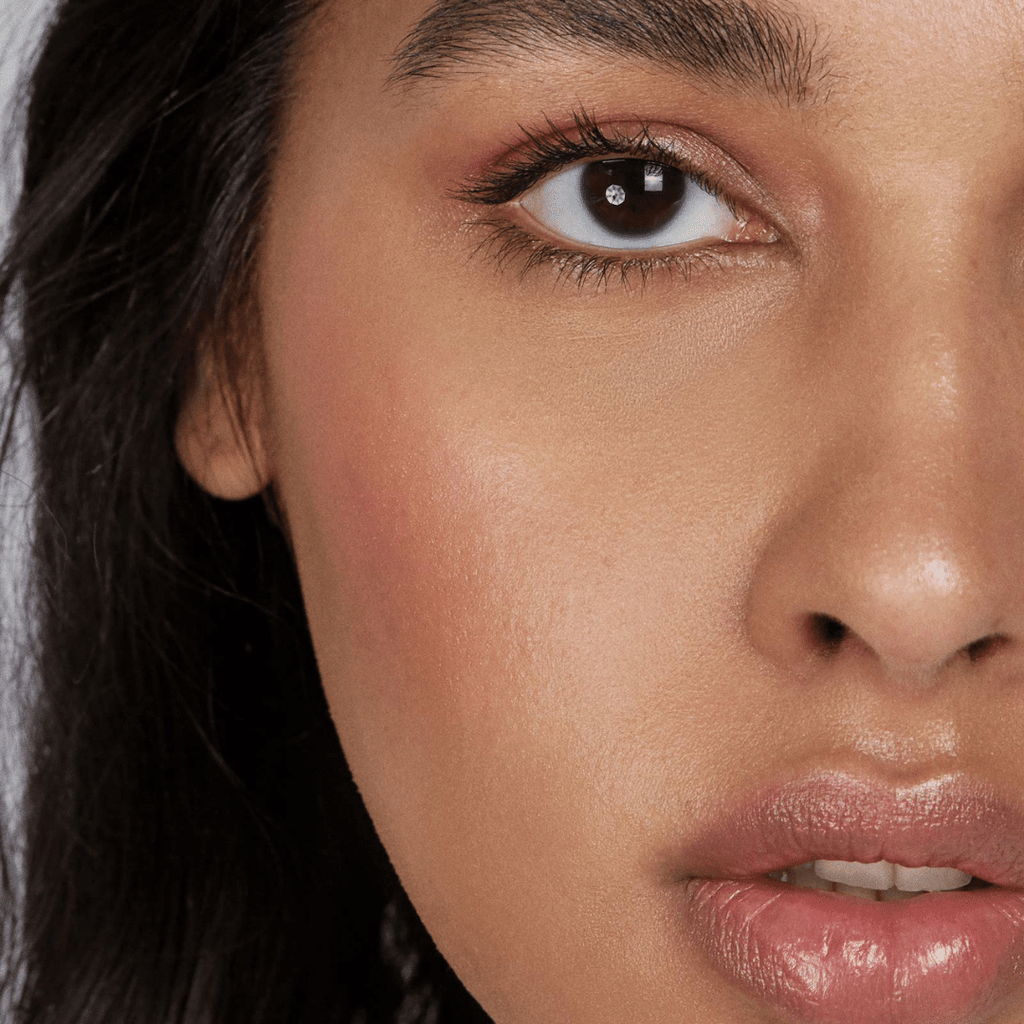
column 723, row 42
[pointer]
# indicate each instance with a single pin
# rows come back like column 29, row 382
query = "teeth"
column 894, row 894
column 883, row 875
column 930, row 879
column 868, row 876
column 879, row 881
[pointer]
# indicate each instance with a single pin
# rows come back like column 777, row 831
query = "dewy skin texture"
column 599, row 544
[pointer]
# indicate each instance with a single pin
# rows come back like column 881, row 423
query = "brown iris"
column 631, row 197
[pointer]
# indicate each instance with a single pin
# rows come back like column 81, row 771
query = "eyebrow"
column 730, row 43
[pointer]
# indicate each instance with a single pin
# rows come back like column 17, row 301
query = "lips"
column 955, row 958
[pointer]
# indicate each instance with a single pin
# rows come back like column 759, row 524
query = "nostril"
column 984, row 647
column 827, row 632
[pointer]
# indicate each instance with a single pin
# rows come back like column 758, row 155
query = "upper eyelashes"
column 536, row 156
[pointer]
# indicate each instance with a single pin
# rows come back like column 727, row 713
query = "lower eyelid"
column 512, row 249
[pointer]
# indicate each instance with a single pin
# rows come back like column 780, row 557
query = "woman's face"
column 645, row 542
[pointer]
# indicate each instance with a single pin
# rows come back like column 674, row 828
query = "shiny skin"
column 562, row 547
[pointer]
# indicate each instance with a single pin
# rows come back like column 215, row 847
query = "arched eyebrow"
column 726, row 43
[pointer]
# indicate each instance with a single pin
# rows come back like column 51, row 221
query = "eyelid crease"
column 536, row 155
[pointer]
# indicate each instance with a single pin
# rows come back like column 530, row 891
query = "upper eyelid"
column 536, row 156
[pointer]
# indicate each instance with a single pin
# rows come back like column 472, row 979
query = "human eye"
column 600, row 204
column 627, row 203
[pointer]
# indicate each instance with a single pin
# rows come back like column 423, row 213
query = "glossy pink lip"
column 954, row 958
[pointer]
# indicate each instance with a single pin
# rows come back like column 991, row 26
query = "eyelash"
column 537, row 156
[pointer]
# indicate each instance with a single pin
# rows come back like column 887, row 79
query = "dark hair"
column 194, row 847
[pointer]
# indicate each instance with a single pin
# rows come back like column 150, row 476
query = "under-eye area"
column 519, row 252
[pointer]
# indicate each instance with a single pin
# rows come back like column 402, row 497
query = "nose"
column 899, row 546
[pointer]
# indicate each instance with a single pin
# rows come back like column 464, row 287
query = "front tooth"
column 879, row 875
column 930, row 879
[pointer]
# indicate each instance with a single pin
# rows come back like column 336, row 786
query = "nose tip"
column 915, row 618
column 851, row 584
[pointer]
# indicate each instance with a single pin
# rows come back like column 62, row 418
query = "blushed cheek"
column 405, row 545
column 406, row 524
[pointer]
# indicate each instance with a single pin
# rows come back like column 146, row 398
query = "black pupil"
column 631, row 197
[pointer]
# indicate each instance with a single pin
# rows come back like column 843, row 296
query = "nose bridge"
column 921, row 265
column 906, row 542
column 922, row 343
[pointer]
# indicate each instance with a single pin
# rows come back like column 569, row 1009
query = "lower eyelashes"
column 512, row 248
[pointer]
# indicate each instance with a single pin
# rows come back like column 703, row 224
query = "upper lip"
column 948, row 821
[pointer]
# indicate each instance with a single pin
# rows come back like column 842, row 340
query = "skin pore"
column 585, row 556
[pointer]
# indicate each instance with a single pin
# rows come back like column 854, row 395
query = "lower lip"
column 954, row 958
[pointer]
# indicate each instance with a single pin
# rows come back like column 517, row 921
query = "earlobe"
column 227, row 458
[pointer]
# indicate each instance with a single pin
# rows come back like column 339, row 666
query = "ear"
column 227, row 458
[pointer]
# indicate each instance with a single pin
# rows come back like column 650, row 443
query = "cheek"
column 414, row 573
column 504, row 563
column 430, row 563
column 420, row 542
column 410, row 530
column 500, row 636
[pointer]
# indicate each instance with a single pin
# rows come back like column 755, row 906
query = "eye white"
column 558, row 204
